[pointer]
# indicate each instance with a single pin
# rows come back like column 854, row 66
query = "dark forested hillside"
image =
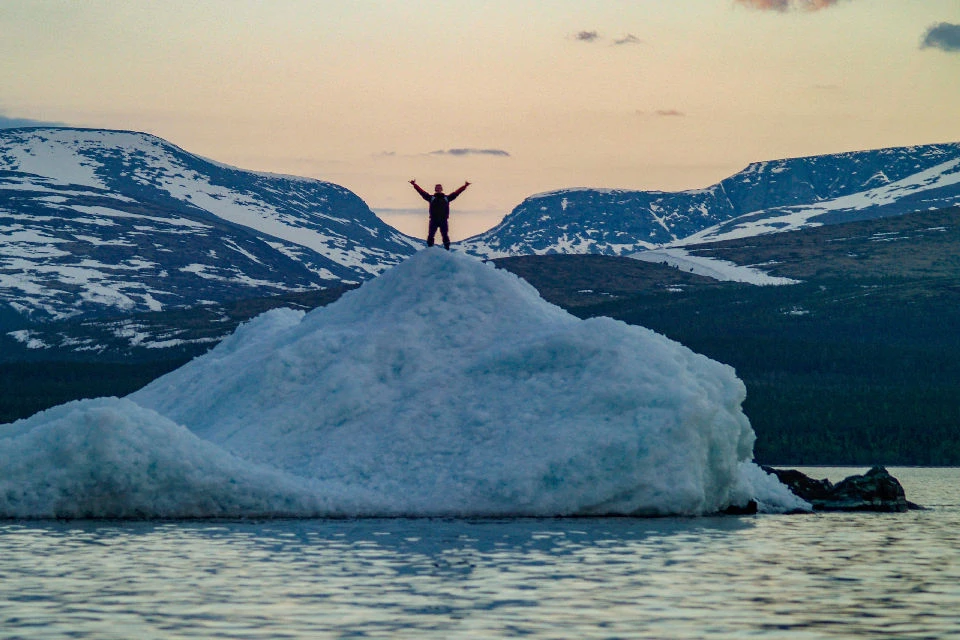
column 116, row 356
column 858, row 364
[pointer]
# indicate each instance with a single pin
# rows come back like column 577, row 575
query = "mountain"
column 763, row 198
column 95, row 221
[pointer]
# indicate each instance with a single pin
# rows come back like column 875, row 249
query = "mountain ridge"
column 764, row 197
column 98, row 220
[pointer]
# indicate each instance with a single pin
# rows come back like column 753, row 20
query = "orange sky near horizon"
column 517, row 96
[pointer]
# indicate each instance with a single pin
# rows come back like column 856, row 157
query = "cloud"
column 943, row 36
column 594, row 36
column 662, row 113
column 786, row 5
column 13, row 123
column 628, row 39
column 470, row 152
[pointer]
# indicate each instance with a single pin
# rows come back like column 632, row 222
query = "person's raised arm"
column 423, row 194
column 458, row 191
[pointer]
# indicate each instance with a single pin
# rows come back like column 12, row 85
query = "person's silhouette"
column 439, row 211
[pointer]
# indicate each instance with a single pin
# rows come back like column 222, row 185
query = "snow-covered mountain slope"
column 763, row 198
column 929, row 189
column 94, row 220
column 610, row 222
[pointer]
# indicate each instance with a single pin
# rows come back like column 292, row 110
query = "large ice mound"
column 443, row 387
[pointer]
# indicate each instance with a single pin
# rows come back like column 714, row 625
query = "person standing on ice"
column 439, row 211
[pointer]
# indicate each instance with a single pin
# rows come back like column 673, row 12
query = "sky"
column 517, row 96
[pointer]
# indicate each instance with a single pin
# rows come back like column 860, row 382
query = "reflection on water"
column 830, row 575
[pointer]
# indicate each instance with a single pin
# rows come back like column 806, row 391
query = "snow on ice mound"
column 443, row 387
column 109, row 458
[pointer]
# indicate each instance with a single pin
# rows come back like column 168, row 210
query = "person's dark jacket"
column 439, row 202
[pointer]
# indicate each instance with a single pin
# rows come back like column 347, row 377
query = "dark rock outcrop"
column 876, row 490
column 751, row 508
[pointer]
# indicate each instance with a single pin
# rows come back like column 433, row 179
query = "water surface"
column 800, row 576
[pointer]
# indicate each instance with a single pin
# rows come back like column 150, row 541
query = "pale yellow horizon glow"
column 361, row 93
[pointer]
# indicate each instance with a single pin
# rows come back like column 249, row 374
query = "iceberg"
column 443, row 387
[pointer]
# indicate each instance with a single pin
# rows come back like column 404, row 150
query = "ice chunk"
column 453, row 388
column 443, row 387
column 110, row 458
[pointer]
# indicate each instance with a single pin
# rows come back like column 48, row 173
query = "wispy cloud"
column 628, row 39
column 662, row 113
column 7, row 122
column 470, row 152
column 594, row 36
column 786, row 5
column 944, row 36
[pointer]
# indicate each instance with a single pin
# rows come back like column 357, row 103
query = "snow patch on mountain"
column 715, row 268
column 55, row 157
column 939, row 177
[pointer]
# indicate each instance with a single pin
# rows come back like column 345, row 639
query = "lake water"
column 799, row 576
